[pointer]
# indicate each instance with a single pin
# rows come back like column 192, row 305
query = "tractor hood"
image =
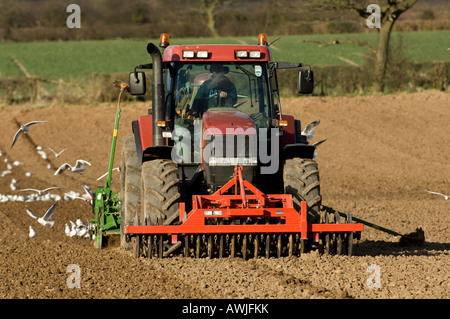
column 221, row 122
column 229, row 140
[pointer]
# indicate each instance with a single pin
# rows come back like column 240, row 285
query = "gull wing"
column 310, row 127
column 51, row 149
column 49, row 212
column 80, row 163
column 445, row 196
column 434, row 193
column 34, row 122
column 102, row 176
column 62, row 168
column 49, row 188
column 16, row 136
column 28, row 189
column 88, row 191
column 29, row 212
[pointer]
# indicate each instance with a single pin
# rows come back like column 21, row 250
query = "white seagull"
column 447, row 197
column 88, row 192
column 39, row 191
column 67, row 230
column 24, row 129
column 32, row 233
column 44, row 220
column 80, row 223
column 87, row 200
column 73, row 229
column 77, row 168
column 308, row 130
column 54, row 152
column 81, row 231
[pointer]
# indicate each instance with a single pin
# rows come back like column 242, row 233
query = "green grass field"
column 71, row 61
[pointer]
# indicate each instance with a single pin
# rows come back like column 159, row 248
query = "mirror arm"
column 309, row 73
column 141, row 66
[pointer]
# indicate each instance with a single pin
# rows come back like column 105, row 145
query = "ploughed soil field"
column 381, row 155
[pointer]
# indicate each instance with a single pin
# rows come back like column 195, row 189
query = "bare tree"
column 208, row 7
column 390, row 11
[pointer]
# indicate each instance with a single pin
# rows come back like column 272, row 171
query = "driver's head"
column 218, row 68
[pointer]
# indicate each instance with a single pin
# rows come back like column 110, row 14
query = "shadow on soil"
column 377, row 248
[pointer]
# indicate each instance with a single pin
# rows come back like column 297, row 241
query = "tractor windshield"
column 229, row 86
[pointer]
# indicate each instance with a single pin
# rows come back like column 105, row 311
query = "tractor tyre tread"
column 301, row 179
column 161, row 195
column 130, row 186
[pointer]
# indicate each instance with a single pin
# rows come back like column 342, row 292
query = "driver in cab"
column 218, row 91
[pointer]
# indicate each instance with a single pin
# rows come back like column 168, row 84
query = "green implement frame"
column 416, row 237
column 106, row 202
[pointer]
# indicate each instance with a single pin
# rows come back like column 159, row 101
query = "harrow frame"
column 210, row 212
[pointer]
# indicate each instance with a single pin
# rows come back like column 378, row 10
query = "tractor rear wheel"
column 160, row 192
column 130, row 179
column 301, row 179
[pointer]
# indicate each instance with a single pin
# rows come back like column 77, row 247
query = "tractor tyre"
column 130, row 179
column 301, row 179
column 160, row 192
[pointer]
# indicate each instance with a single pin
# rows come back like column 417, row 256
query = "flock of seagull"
column 78, row 228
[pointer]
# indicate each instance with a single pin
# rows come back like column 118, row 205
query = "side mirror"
column 137, row 83
column 305, row 81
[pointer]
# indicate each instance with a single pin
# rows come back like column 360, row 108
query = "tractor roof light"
column 262, row 39
column 188, row 54
column 255, row 54
column 191, row 54
column 202, row 54
column 164, row 40
column 242, row 54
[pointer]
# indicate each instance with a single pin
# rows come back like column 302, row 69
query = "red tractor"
column 197, row 171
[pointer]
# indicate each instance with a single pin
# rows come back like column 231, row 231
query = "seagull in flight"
column 308, row 130
column 88, row 192
column 56, row 153
column 39, row 191
column 44, row 220
column 89, row 199
column 447, row 197
column 24, row 129
column 77, row 168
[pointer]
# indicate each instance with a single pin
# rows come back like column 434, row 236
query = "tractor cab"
column 215, row 106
